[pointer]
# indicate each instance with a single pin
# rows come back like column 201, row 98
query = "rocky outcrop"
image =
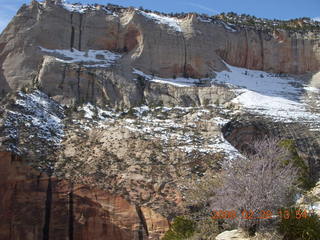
column 311, row 200
column 36, row 206
column 234, row 234
column 244, row 131
column 239, row 234
column 154, row 44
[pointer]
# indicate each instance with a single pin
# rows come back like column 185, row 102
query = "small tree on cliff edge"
column 262, row 181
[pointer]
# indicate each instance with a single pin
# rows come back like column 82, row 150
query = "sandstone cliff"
column 37, row 206
column 156, row 45
column 120, row 109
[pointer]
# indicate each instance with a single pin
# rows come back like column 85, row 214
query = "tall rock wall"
column 36, row 206
column 157, row 45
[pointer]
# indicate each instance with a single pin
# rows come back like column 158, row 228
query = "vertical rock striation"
column 35, row 206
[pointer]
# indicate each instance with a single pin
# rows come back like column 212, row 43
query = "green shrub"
column 301, row 229
column 304, row 179
column 180, row 229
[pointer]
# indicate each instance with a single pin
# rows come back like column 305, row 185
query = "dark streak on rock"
column 47, row 215
column 143, row 223
column 71, row 214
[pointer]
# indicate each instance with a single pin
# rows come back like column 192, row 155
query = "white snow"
column 312, row 89
column 142, row 74
column 75, row 7
column 267, row 94
column 178, row 82
column 222, row 145
column 83, row 8
column 206, row 20
column 173, row 23
column 91, row 58
column 88, row 110
column 110, row 12
column 140, row 110
column 316, row 19
column 217, row 145
column 228, row 26
column 276, row 107
column 220, row 121
column 258, row 81
column 96, row 115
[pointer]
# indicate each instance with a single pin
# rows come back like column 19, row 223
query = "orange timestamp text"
column 260, row 214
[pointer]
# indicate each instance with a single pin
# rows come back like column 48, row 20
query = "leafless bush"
column 262, row 181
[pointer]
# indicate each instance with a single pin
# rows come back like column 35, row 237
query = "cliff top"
column 299, row 25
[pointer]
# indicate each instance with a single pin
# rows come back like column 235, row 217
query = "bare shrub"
column 262, row 181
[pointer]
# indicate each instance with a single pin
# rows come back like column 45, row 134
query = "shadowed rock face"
column 36, row 206
column 241, row 133
column 196, row 51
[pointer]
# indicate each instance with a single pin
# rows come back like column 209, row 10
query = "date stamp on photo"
column 261, row 214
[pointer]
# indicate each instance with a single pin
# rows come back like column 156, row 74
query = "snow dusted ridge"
column 259, row 92
column 178, row 82
column 75, row 7
column 82, row 8
column 36, row 120
column 172, row 22
column 91, row 58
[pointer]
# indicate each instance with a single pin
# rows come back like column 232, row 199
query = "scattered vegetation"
column 265, row 180
column 300, row 25
column 27, row 88
column 197, row 202
column 259, row 182
column 304, row 228
column 181, row 229
column 141, row 81
column 304, row 180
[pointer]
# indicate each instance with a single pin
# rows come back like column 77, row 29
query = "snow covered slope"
column 262, row 93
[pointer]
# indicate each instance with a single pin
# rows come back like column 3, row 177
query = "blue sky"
column 280, row 9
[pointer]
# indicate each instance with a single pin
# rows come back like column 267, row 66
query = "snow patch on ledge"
column 230, row 27
column 160, row 19
column 178, row 82
column 90, row 58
